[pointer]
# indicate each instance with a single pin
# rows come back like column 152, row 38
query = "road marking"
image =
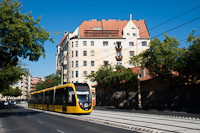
column 60, row 131
column 40, row 122
column 28, row 116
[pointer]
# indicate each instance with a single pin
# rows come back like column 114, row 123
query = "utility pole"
column 138, row 87
column 138, row 79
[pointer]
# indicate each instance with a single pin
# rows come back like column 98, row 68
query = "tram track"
column 149, row 123
column 138, row 122
column 158, row 117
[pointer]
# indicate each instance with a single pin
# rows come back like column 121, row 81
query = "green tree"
column 161, row 59
column 189, row 62
column 15, row 92
column 51, row 81
column 114, row 78
column 10, row 75
column 20, row 35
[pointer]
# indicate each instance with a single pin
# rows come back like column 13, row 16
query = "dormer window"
column 97, row 28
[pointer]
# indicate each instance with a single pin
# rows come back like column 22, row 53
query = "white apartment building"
column 25, row 86
column 95, row 43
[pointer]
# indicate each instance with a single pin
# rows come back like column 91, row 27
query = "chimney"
column 130, row 16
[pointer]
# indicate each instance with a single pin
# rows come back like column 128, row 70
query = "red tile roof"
column 114, row 25
column 62, row 40
column 147, row 76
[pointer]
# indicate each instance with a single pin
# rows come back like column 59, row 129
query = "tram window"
column 60, row 96
column 45, row 98
column 35, row 98
column 31, row 99
column 40, row 98
column 71, row 97
column 50, row 97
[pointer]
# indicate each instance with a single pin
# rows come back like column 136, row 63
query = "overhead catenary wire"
column 155, row 27
column 152, row 37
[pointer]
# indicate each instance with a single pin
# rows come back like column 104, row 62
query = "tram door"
column 65, row 100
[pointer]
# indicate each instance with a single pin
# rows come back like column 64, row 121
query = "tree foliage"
column 165, row 58
column 161, row 57
column 15, row 92
column 20, row 35
column 190, row 59
column 54, row 81
column 112, row 76
column 10, row 75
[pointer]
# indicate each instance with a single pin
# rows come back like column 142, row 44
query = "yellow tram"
column 68, row 98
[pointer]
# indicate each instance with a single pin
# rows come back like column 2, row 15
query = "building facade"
column 34, row 81
column 95, row 43
column 25, row 86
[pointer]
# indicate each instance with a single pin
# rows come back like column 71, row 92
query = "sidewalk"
column 166, row 113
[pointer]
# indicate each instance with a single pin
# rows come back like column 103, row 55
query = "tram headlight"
column 81, row 105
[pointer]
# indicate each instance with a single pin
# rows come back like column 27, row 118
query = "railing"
column 118, row 58
column 118, row 48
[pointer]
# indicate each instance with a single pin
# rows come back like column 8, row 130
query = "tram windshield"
column 83, row 96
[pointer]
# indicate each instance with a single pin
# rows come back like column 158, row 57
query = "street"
column 14, row 119
column 19, row 118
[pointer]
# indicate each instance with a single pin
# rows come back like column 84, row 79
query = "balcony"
column 118, row 48
column 119, row 58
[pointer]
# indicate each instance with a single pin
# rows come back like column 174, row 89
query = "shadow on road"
column 12, row 110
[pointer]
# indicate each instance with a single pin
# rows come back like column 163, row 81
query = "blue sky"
column 62, row 15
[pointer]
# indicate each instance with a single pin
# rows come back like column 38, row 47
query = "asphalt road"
column 15, row 119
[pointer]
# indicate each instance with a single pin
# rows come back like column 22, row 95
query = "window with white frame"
column 131, row 43
column 92, row 52
column 84, row 53
column 144, row 43
column 72, row 64
column 76, row 73
column 128, row 34
column 105, row 43
column 72, row 44
column 72, row 74
column 92, row 43
column 119, row 63
column 84, row 63
column 84, row 73
column 76, row 53
column 131, row 53
column 76, row 43
column 84, row 43
column 92, row 63
column 76, row 63
column 105, row 53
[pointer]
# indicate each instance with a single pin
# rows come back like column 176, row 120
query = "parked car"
column 12, row 102
column 5, row 103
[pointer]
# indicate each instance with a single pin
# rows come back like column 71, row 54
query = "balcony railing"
column 118, row 58
column 118, row 48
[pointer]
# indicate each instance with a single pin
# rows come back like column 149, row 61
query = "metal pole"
column 139, row 92
column 138, row 73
